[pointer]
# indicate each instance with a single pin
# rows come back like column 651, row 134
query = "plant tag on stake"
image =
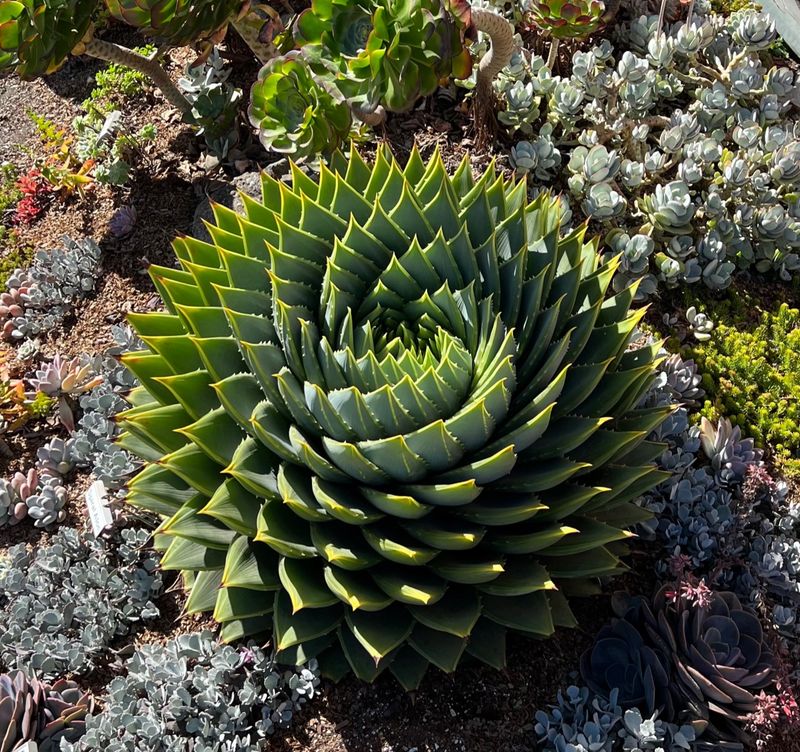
column 97, row 506
column 28, row 747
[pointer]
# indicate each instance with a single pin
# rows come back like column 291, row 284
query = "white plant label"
column 97, row 505
column 28, row 747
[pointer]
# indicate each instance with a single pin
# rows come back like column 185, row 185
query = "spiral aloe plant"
column 389, row 416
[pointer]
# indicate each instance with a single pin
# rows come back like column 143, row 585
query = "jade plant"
column 388, row 416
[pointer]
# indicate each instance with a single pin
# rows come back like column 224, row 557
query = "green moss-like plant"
column 751, row 375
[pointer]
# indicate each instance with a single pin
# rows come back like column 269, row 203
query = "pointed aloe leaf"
column 413, row 586
column 344, row 502
column 546, row 475
column 160, row 483
column 194, row 466
column 186, row 554
column 455, row 494
column 405, row 507
column 380, row 632
column 251, row 565
column 361, row 663
column 356, row 589
column 235, row 630
column 238, row 603
column 488, row 644
column 525, row 613
column 522, row 575
column 294, row 486
column 396, row 546
column 255, row 468
column 234, row 507
column 409, row 668
column 441, row 649
column 304, row 581
column 283, row 531
column 496, row 508
column 484, row 471
column 297, row 655
column 188, row 523
column 528, row 538
column 567, row 498
column 343, row 546
column 445, row 533
column 595, row 563
column 469, row 570
column 457, row 612
column 203, row 595
column 592, row 535
column 309, row 624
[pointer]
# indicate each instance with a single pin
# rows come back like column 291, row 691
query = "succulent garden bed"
column 395, row 376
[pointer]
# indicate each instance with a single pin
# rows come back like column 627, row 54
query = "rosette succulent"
column 568, row 18
column 31, row 710
column 37, row 36
column 387, row 52
column 293, row 112
column 719, row 658
column 389, row 415
column 178, row 22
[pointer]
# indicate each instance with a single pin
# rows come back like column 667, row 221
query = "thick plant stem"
column 114, row 53
column 257, row 27
column 552, row 57
column 501, row 36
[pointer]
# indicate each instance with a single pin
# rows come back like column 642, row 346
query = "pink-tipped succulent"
column 64, row 379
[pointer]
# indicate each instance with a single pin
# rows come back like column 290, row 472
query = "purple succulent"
column 123, row 221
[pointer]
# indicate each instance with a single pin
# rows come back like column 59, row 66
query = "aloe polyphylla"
column 390, row 415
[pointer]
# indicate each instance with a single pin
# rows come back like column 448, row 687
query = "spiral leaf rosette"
column 178, row 22
column 569, row 19
column 37, row 36
column 388, row 52
column 293, row 112
column 390, row 415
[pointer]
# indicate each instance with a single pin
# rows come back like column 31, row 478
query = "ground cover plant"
column 384, row 376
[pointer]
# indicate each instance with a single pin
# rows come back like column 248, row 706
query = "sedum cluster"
column 63, row 604
column 389, row 415
column 752, row 377
column 687, row 146
column 194, row 694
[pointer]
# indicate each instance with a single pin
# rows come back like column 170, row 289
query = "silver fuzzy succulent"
column 63, row 603
column 48, row 290
column 193, row 693
column 726, row 161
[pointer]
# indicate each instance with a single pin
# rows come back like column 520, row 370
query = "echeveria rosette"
column 390, row 415
column 388, row 52
column 37, row 36
column 178, row 22
column 294, row 113
column 718, row 655
column 568, row 19
column 34, row 711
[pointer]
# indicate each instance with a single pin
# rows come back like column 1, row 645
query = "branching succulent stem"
column 661, row 17
column 553, row 55
column 115, row 53
column 501, row 36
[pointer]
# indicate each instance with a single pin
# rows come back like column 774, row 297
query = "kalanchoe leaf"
column 409, row 371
